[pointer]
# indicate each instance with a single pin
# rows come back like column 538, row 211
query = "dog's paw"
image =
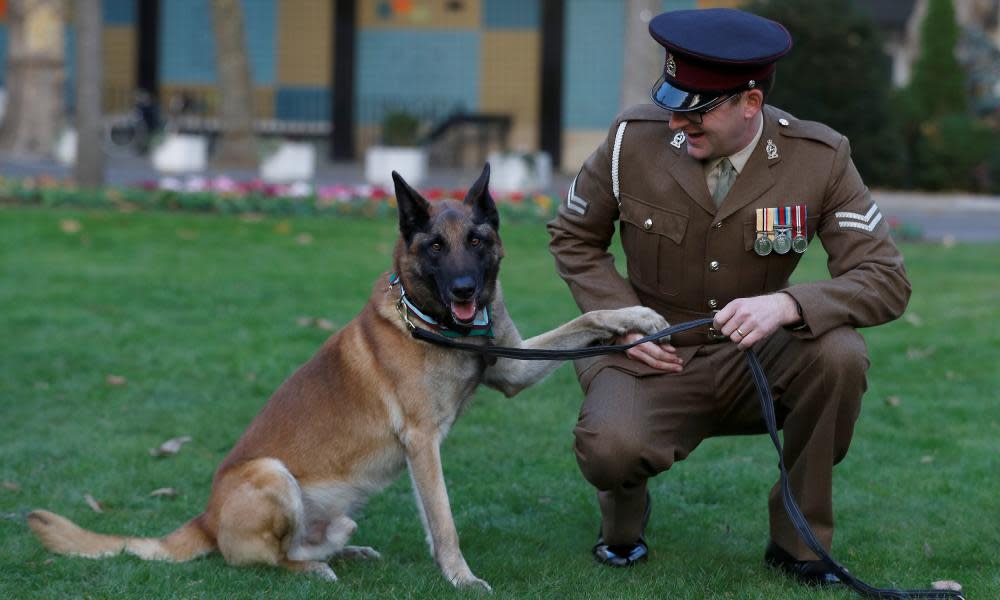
column 470, row 581
column 359, row 553
column 636, row 319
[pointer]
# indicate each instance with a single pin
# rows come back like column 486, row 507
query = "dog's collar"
column 481, row 326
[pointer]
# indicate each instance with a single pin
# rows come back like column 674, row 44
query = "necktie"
column 727, row 175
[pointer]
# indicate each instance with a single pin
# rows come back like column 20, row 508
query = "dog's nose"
column 463, row 288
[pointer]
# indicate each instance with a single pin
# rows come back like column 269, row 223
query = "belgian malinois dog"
column 372, row 401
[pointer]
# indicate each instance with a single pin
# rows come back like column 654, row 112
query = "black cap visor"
column 665, row 95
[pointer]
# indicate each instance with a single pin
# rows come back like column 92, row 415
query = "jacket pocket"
column 652, row 237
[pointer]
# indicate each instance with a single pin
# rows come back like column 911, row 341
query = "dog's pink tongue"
column 463, row 311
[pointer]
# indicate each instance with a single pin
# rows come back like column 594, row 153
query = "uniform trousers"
column 634, row 427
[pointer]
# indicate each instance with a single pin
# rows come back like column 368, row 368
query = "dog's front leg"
column 423, row 456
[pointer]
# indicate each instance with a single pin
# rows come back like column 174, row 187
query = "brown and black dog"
column 372, row 401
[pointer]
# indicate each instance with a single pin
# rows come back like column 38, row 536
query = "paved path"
column 959, row 217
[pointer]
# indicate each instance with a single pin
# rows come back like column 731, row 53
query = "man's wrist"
column 793, row 317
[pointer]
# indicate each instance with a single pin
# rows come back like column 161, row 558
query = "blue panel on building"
column 3, row 54
column 594, row 51
column 511, row 14
column 669, row 5
column 187, row 45
column 301, row 103
column 119, row 12
column 429, row 73
column 187, row 49
column 260, row 20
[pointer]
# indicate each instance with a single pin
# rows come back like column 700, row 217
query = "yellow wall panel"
column 419, row 14
column 305, row 41
column 509, row 81
column 119, row 53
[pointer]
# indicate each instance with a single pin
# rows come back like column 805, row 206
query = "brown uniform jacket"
column 685, row 257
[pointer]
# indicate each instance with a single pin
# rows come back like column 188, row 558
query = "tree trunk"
column 89, row 169
column 643, row 56
column 237, row 147
column 35, row 77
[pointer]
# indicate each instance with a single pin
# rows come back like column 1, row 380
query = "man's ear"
column 414, row 212
column 754, row 103
column 484, row 210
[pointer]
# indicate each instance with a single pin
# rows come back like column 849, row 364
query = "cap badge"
column 678, row 140
column 671, row 67
column 771, row 149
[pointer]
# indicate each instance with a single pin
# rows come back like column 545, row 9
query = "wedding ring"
column 740, row 331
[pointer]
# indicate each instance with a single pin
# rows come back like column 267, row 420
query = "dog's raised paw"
column 638, row 318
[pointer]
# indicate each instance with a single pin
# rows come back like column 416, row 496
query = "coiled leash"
column 489, row 352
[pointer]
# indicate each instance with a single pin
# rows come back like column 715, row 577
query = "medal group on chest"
column 781, row 229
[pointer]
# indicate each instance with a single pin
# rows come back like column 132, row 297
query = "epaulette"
column 810, row 130
column 644, row 112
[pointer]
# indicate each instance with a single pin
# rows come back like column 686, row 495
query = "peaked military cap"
column 712, row 54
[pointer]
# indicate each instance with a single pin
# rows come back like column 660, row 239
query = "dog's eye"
column 436, row 247
column 475, row 241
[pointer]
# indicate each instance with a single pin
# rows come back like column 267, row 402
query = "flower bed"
column 222, row 195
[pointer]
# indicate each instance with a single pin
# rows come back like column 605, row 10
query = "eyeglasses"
column 698, row 116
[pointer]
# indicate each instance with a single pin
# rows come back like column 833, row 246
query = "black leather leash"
column 767, row 409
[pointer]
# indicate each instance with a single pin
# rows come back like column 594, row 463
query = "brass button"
column 713, row 303
column 713, row 266
column 718, row 225
column 647, row 224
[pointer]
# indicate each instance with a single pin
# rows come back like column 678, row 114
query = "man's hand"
column 749, row 320
column 663, row 357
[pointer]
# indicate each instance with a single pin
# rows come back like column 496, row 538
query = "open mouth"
column 463, row 312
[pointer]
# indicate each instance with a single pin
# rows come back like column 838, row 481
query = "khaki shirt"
column 685, row 258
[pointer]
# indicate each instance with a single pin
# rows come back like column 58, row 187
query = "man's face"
column 723, row 131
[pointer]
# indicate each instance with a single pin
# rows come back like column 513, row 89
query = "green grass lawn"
column 200, row 316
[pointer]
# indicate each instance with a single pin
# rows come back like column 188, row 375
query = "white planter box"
column 294, row 161
column 381, row 161
column 65, row 150
column 181, row 153
column 518, row 172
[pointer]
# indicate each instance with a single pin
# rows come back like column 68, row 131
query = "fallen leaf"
column 947, row 584
column 115, row 380
column 914, row 319
column 304, row 239
column 48, row 561
column 171, row 446
column 893, row 401
column 251, row 376
column 93, row 504
column 283, row 227
column 167, row 491
column 187, row 234
column 10, row 485
column 325, row 324
column 926, row 459
column 948, row 240
column 70, row 226
column 305, row 321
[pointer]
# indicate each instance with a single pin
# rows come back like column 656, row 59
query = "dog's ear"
column 414, row 212
column 484, row 210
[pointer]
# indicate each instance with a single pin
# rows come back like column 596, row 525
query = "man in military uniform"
column 718, row 196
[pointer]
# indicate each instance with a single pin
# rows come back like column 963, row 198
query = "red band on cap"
column 694, row 75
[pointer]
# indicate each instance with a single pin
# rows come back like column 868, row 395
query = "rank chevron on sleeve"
column 867, row 221
column 574, row 202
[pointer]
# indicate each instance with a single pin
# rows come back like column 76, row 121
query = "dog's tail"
column 62, row 536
